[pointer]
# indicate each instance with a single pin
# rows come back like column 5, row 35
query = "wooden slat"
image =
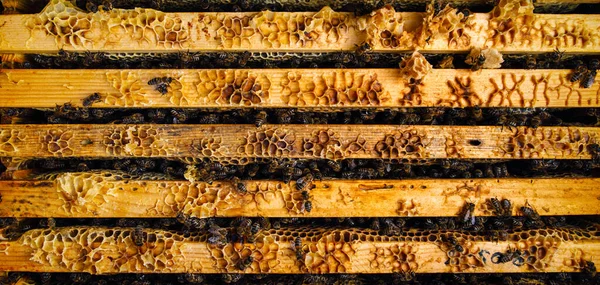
column 305, row 88
column 331, row 251
column 120, row 30
column 97, row 195
column 296, row 141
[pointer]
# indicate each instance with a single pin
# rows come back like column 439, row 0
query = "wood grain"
column 303, row 88
column 106, row 251
column 225, row 142
column 98, row 195
column 62, row 25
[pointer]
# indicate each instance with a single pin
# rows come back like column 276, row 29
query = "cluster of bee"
column 513, row 117
column 273, row 279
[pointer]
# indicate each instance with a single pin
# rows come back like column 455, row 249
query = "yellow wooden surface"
column 223, row 142
column 304, row 88
column 62, row 25
column 96, row 195
column 105, row 251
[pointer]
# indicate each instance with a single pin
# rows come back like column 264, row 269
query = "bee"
column 496, row 205
column 231, row 278
column 589, row 268
column 136, row 118
column 477, row 63
column 82, row 167
column 304, row 181
column 513, row 255
column 506, row 207
column 179, row 116
column 161, row 84
column 375, row 225
column 245, row 263
column 209, row 119
column 193, row 278
column 390, row 227
column 467, row 215
column 453, row 242
column 91, row 7
column 594, row 151
column 590, row 76
column 91, row 99
column 531, row 62
column 367, row 173
column 430, row 224
column 261, row 119
column 146, row 163
column 241, row 187
column 308, row 206
column 107, row 5
column 535, row 122
column 362, row 49
column 121, row 164
column 80, row 277
column 297, row 247
column 138, row 235
column 529, row 213
column 500, row 170
column 334, row 165
column 218, row 235
column 580, row 71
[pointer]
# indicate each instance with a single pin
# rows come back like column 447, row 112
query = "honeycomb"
column 466, row 257
column 452, row 146
column 85, row 192
column 324, row 144
column 414, row 68
column 58, row 142
column 462, row 94
column 267, row 193
column 8, row 139
column 135, row 141
column 408, row 208
column 206, row 147
column 532, row 143
column 130, row 90
column 301, row 30
column 72, row 27
column 448, row 24
column 513, row 23
column 336, row 88
column 229, row 31
column 264, row 253
column 268, row 142
column 101, row 251
column 385, row 28
column 401, row 257
column 195, row 199
column 408, row 143
column 233, row 87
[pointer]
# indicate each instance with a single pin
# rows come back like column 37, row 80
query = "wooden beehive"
column 300, row 142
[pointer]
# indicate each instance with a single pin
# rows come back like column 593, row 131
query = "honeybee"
column 580, row 71
column 590, row 76
column 136, row 118
column 531, row 62
column 304, row 181
column 193, row 278
column 245, row 263
column 231, row 278
column 261, row 119
column 297, row 247
column 334, row 165
column 467, row 216
column 478, row 63
column 161, row 84
column 91, row 99
column 241, row 187
column 138, row 235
